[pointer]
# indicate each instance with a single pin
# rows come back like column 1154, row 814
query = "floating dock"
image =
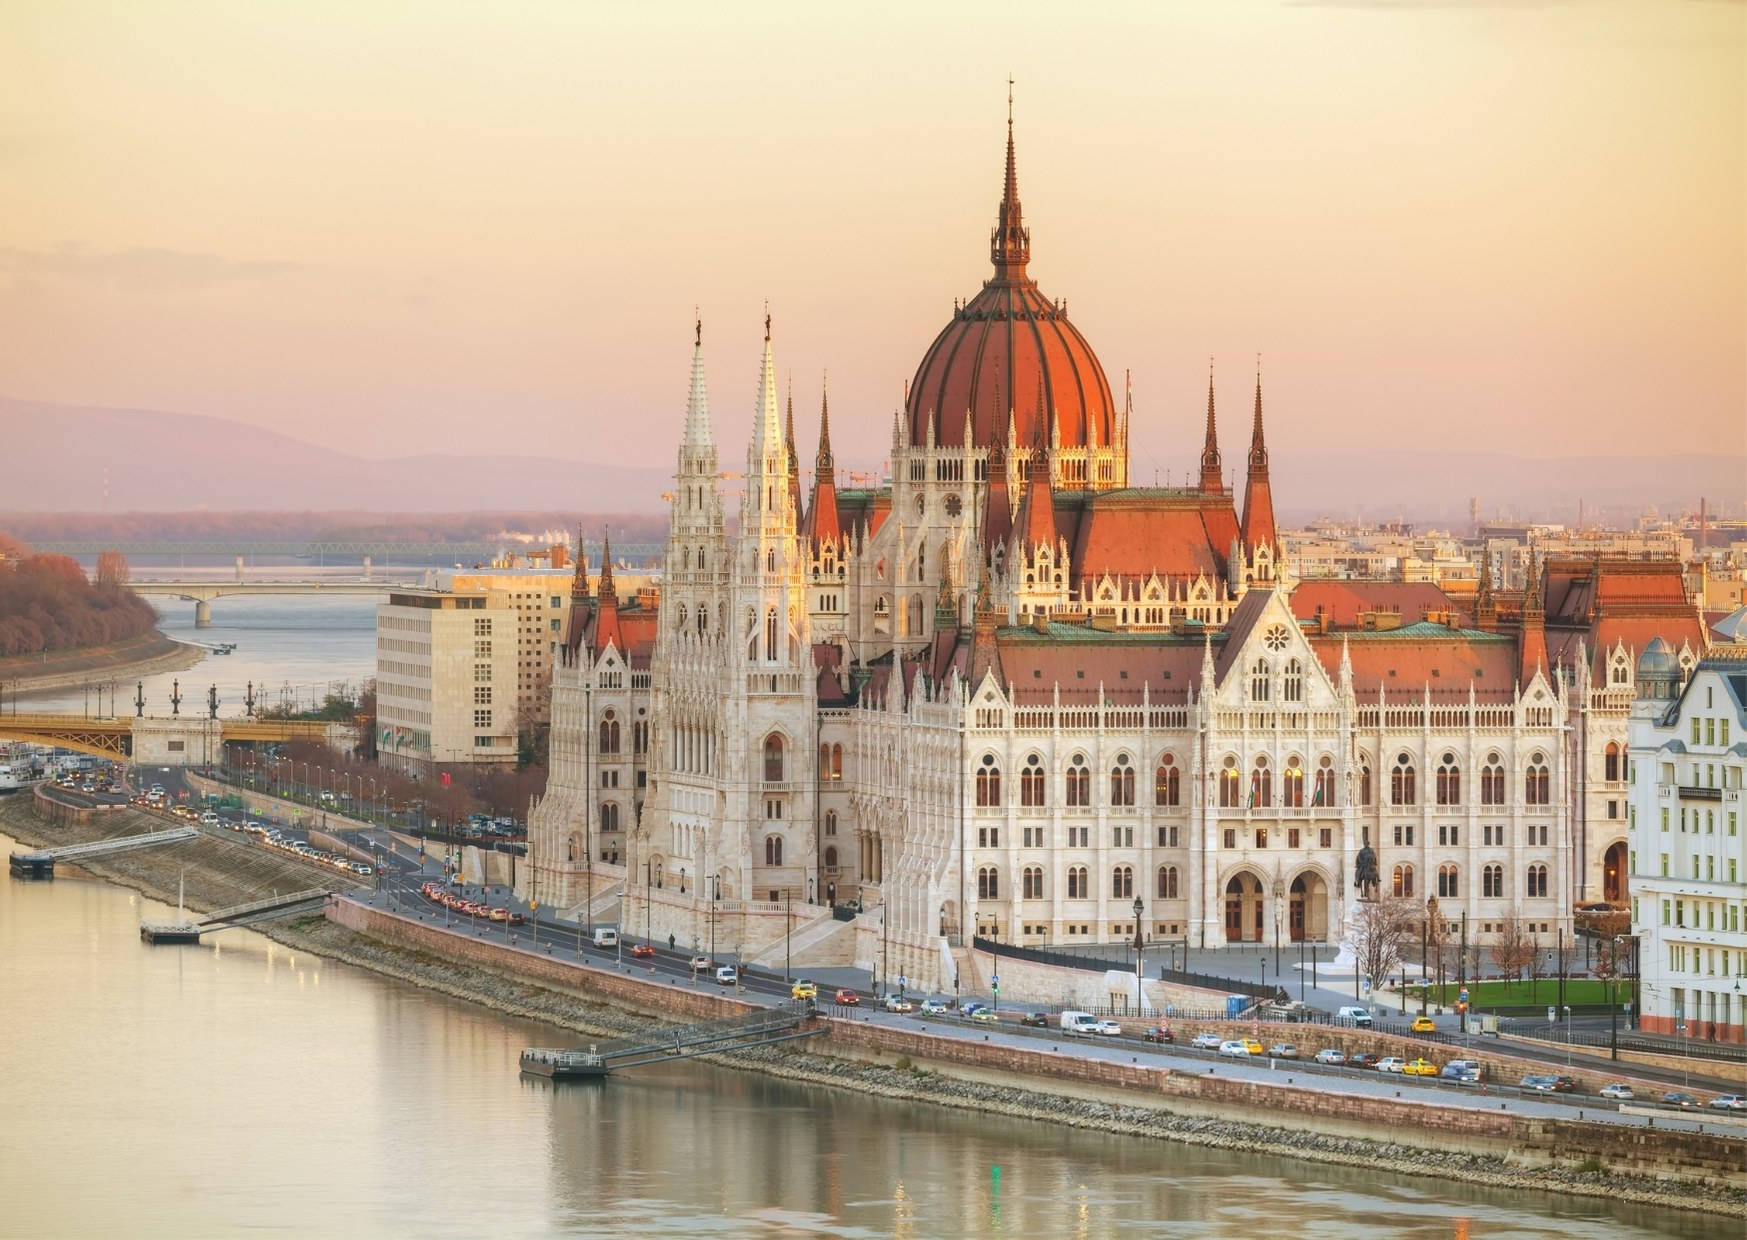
column 564, row 1065
column 169, row 932
column 756, row 1028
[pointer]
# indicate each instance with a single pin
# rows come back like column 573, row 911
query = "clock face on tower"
column 1275, row 638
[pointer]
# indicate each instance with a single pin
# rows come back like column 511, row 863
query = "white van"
column 727, row 975
column 606, row 936
column 1079, row 1022
column 1358, row 1015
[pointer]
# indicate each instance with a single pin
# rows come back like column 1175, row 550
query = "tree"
column 112, row 569
column 1437, row 940
column 1513, row 949
column 1382, row 933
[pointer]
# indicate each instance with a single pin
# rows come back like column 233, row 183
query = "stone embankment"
column 145, row 655
column 1672, row 1170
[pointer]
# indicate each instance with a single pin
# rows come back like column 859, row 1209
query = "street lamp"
column 1139, row 946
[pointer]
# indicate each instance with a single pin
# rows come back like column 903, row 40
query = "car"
column 1206, row 1042
column 1160, row 1034
column 1391, row 1063
column 1035, row 1020
column 1358, row 1015
column 1537, row 1082
column 1462, row 1071
column 803, row 989
column 846, row 998
column 1424, row 1024
column 1331, row 1055
column 1236, row 1050
column 986, row 1016
column 894, row 1003
column 1108, row 1029
column 1564, row 1084
column 1419, row 1067
column 1674, row 1098
column 1253, row 1047
column 1618, row 1092
column 727, row 975
column 933, row 1007
column 972, row 1008
column 1283, row 1050
column 700, row 962
column 643, row 950
column 1728, row 1102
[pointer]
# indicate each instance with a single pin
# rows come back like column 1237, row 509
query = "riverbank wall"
column 899, row 1064
column 53, row 671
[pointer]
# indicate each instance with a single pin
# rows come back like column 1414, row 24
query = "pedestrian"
column 670, row 942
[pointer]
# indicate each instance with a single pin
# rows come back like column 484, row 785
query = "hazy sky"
column 417, row 227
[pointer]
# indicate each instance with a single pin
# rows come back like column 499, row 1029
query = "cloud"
column 141, row 269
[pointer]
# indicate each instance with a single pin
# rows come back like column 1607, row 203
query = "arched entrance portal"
column 1613, row 873
column 1243, row 909
column 1309, row 908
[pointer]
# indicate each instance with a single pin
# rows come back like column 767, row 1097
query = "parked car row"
column 437, row 894
column 272, row 838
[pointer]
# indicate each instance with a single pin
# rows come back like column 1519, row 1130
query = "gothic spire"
column 1010, row 243
column 697, row 405
column 823, row 524
column 606, row 622
column 1210, row 465
column 1258, row 518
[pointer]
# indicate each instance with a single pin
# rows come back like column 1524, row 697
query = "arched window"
column 1167, row 782
column 1364, row 779
column 1261, row 783
column 1079, row 781
column 1492, row 781
column 1447, row 885
column 680, row 623
column 1031, row 782
column 1401, row 781
column 609, row 733
column 1032, row 878
column 1167, row 886
column 1492, row 882
column 1449, row 781
column 1535, row 781
column 773, row 759
column 1122, row 883
column 1325, row 782
column 1292, row 686
column 1122, row 782
column 770, row 635
column 1261, row 682
column 1292, row 784
column 830, row 822
column 609, row 816
column 773, row 850
column 837, row 762
column 1611, row 760
column 1537, row 887
column 1077, row 884
column 988, row 782
column 1402, row 884
column 830, row 859
column 988, row 883
column 1230, row 784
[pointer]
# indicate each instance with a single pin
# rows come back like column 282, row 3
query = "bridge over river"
column 174, row 740
column 202, row 592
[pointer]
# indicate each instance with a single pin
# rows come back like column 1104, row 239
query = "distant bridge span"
column 175, row 740
column 201, row 593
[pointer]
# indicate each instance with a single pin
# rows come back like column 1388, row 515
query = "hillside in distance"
column 60, row 458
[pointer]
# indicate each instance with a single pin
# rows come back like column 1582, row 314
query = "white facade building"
column 446, row 679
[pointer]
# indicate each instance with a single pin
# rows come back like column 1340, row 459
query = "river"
column 241, row 1087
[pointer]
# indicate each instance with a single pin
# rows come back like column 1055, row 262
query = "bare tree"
column 1383, row 931
column 1512, row 949
column 1437, row 939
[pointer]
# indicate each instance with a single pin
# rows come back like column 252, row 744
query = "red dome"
column 1002, row 348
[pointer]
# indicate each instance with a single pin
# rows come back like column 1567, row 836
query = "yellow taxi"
column 1253, row 1047
column 803, row 989
column 1419, row 1067
column 1423, row 1024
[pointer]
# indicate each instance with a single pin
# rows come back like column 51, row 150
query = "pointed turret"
column 697, row 405
column 794, row 454
column 579, row 575
column 997, row 503
column 767, row 456
column 1211, row 481
column 1010, row 243
column 580, row 612
column 1485, row 608
column 1037, row 510
column 1258, row 520
column 1533, row 643
column 606, row 619
column 823, row 525
column 985, row 654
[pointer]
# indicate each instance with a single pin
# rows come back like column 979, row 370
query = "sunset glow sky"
column 443, row 227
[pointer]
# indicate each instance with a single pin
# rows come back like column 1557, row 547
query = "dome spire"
column 1210, row 468
column 697, row 406
column 1010, row 243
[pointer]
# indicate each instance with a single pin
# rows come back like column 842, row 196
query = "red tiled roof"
column 1342, row 601
column 1132, row 534
column 1164, row 668
column 1404, row 666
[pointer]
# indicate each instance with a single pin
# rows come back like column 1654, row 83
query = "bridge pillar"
column 366, row 568
column 239, row 568
column 202, row 613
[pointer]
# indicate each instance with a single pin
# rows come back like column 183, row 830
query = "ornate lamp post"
column 1139, row 945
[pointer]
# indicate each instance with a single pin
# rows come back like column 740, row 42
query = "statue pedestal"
column 1346, row 959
